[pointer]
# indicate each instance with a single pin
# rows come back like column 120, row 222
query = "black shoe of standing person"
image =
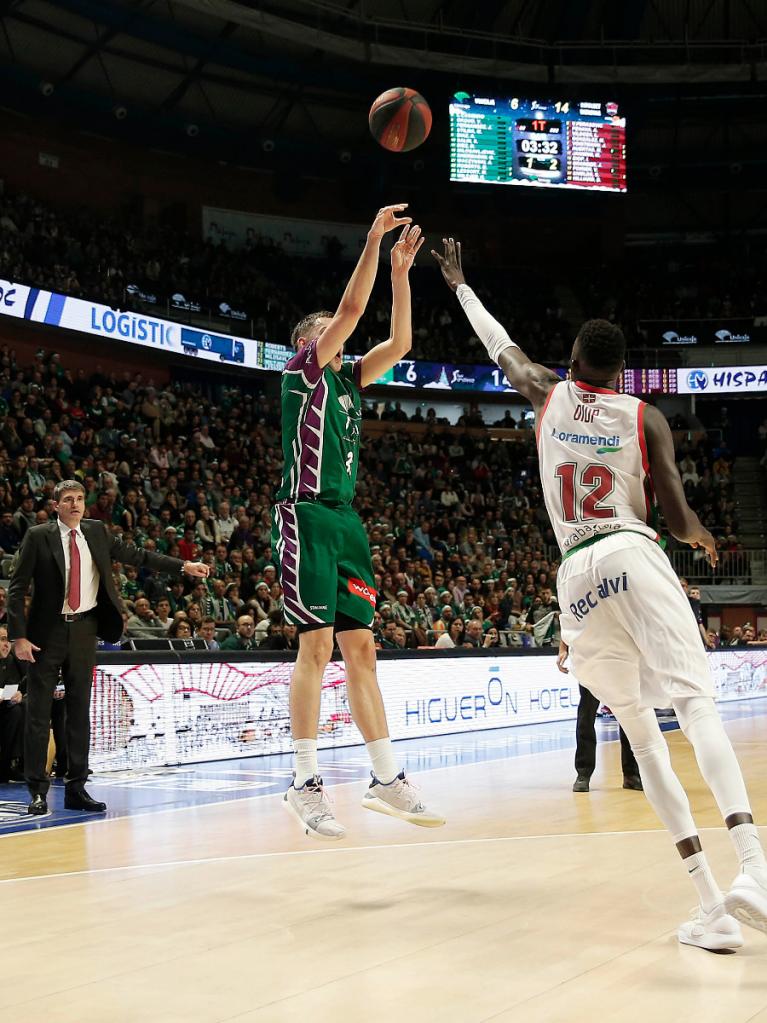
column 38, row 806
column 633, row 781
column 76, row 798
column 581, row 783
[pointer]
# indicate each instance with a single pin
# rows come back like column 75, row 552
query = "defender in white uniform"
column 631, row 634
column 626, row 618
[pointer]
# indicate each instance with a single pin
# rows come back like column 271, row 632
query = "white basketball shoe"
column 399, row 799
column 747, row 901
column 311, row 807
column 716, row 931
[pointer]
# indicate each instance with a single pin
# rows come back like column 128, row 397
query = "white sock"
column 709, row 893
column 382, row 758
column 306, row 761
column 745, row 838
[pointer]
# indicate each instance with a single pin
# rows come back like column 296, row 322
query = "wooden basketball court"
column 532, row 904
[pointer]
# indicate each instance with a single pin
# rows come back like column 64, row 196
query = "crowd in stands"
column 457, row 527
column 462, row 548
column 121, row 262
column 124, row 260
column 679, row 282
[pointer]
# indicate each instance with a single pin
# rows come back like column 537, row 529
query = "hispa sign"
column 723, row 380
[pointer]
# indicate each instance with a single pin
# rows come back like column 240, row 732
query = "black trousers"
column 68, row 652
column 11, row 732
column 586, row 739
column 59, row 729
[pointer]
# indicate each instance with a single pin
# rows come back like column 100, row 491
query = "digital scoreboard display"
column 557, row 144
column 647, row 381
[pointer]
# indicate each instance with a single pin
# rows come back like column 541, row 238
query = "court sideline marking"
column 345, row 849
column 271, row 795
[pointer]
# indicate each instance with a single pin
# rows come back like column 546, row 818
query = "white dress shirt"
column 89, row 574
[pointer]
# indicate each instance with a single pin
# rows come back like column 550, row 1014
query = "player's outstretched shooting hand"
column 450, row 263
column 387, row 219
column 405, row 249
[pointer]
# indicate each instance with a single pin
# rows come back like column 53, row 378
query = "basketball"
column 400, row 120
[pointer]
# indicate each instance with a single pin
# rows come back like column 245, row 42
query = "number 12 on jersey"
column 582, row 498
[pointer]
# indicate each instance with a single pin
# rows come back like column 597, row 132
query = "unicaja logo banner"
column 727, row 337
column 671, row 337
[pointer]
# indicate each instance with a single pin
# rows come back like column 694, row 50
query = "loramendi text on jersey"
column 595, row 471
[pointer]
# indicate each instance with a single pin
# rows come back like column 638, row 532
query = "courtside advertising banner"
column 136, row 328
column 152, row 714
column 722, row 380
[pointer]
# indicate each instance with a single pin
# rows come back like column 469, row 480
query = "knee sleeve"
column 694, row 709
column 700, row 721
column 662, row 787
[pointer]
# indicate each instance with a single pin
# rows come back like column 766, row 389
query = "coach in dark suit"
column 74, row 601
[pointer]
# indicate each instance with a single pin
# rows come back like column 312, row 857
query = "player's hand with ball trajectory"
column 450, row 263
column 405, row 249
column 387, row 220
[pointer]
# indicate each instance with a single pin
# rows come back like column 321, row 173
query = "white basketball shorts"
column 633, row 638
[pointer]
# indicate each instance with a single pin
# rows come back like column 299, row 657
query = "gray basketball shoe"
column 311, row 808
column 400, row 799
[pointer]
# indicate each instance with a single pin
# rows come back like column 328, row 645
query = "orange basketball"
column 400, row 119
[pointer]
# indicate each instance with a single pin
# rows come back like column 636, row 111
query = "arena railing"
column 734, row 567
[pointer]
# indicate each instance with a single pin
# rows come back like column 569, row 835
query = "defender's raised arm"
column 529, row 378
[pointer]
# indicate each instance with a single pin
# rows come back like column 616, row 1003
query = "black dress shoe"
column 581, row 783
column 78, row 799
column 633, row 781
column 38, row 806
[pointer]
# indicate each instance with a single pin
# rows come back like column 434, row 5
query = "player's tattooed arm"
column 529, row 378
column 681, row 520
column 388, row 353
column 357, row 294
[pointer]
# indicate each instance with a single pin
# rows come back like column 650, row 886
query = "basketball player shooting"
column 325, row 566
column 627, row 623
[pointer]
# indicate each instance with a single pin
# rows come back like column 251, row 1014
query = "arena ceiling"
column 223, row 69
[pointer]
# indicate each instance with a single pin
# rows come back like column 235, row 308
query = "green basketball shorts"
column 324, row 563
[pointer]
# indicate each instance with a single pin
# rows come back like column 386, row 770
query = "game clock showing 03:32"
column 516, row 141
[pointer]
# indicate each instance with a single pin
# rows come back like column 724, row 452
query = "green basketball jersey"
column 321, row 423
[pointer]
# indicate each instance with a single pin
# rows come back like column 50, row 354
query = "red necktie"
column 73, row 597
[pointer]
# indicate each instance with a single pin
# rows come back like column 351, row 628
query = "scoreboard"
column 563, row 143
column 647, row 381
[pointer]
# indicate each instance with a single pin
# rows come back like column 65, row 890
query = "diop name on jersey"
column 586, row 438
column 617, row 584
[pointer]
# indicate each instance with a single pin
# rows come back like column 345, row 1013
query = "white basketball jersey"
column 595, row 472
